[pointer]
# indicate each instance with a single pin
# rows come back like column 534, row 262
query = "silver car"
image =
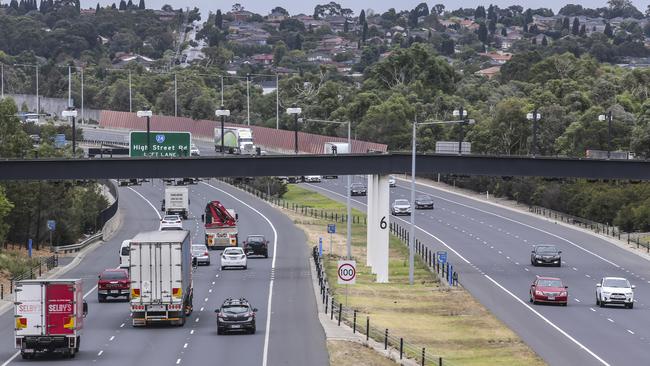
column 401, row 207
column 200, row 252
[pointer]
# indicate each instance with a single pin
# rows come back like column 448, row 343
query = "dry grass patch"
column 344, row 353
column 427, row 314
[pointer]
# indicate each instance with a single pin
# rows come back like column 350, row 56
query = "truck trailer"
column 161, row 277
column 177, row 201
column 236, row 140
column 49, row 316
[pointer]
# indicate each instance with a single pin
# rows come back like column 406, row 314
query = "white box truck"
column 161, row 277
column 177, row 201
column 49, row 316
column 236, row 140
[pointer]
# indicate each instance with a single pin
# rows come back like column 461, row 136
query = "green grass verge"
column 449, row 322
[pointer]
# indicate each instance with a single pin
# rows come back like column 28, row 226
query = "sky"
column 263, row 7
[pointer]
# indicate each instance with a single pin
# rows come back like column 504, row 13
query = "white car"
column 171, row 222
column 194, row 151
column 615, row 290
column 391, row 181
column 233, row 257
column 401, row 207
column 313, row 178
column 125, row 257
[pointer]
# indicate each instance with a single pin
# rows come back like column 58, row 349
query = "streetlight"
column 147, row 113
column 607, row 117
column 72, row 113
column 248, row 99
column 413, row 148
column 295, row 111
column 461, row 113
column 534, row 116
column 222, row 112
column 349, row 207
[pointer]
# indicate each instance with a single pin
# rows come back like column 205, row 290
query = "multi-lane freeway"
column 288, row 330
column 490, row 247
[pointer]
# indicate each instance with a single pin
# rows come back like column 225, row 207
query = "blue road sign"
column 442, row 257
column 331, row 228
column 29, row 246
column 51, row 225
column 320, row 247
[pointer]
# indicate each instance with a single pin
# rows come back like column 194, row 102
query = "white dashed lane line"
column 610, row 320
column 629, row 331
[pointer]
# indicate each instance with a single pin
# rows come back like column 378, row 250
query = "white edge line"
column 149, row 202
column 505, row 290
column 275, row 255
column 567, row 335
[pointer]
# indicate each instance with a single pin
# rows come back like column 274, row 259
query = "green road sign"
column 163, row 144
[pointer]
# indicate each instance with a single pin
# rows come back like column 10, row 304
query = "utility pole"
column 461, row 113
column 248, row 99
column 535, row 117
column 412, row 232
column 609, row 134
column 277, row 101
column 3, row 81
column 82, row 96
column 130, row 94
column 38, row 99
column 295, row 111
column 69, row 86
column 221, row 89
column 222, row 113
column 175, row 96
column 347, row 199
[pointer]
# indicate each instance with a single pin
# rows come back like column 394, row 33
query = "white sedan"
column 171, row 222
column 233, row 257
column 615, row 290
column 313, row 178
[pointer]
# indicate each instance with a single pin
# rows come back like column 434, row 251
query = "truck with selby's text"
column 49, row 316
column 161, row 277
column 220, row 226
column 177, row 201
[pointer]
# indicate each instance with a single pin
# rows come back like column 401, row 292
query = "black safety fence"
column 361, row 323
column 297, row 208
column 599, row 228
column 434, row 260
column 44, row 264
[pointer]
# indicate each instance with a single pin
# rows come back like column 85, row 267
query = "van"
column 124, row 254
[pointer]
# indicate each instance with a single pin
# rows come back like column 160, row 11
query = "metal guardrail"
column 72, row 248
column 104, row 142
column 32, row 272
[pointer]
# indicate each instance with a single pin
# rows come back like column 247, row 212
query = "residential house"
column 122, row 59
column 87, row 12
column 165, row 16
column 319, row 57
column 497, row 58
column 263, row 59
column 276, row 17
column 490, row 72
column 241, row 16
column 336, row 23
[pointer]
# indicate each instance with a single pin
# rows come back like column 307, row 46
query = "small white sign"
column 222, row 112
column 69, row 113
column 347, row 272
column 294, row 110
column 144, row 114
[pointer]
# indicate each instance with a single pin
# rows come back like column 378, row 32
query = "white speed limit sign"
column 347, row 272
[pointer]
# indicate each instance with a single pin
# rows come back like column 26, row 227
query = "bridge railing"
column 360, row 322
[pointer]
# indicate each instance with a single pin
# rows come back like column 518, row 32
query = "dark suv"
column 546, row 254
column 256, row 245
column 235, row 315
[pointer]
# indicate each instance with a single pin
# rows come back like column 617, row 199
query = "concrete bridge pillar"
column 378, row 226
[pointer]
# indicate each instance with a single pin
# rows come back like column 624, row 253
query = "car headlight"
column 563, row 293
column 539, row 293
column 537, row 256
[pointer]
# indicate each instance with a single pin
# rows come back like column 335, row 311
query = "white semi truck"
column 236, row 140
column 177, row 201
column 336, row 148
column 161, row 277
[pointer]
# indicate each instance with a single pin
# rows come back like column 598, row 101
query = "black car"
column 235, row 315
column 546, row 254
column 256, row 245
column 358, row 189
column 424, row 202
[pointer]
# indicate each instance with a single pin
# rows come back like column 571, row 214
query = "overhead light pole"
column 147, row 114
column 608, row 117
column 534, row 116
column 461, row 114
column 248, row 99
column 223, row 113
column 348, row 199
column 413, row 149
column 71, row 113
column 295, row 111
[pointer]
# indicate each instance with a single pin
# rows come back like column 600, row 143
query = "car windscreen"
column 125, row 250
column 549, row 250
column 171, row 218
column 255, row 239
column 233, row 251
column 234, row 309
column 402, row 202
column 616, row 282
column 549, row 283
column 357, row 185
column 112, row 275
column 199, row 248
column 424, row 198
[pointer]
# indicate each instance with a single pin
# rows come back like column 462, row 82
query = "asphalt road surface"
column 288, row 330
column 490, row 248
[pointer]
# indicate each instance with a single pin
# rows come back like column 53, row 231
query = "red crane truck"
column 220, row 226
column 49, row 316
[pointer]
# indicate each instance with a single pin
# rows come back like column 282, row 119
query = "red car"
column 113, row 283
column 549, row 290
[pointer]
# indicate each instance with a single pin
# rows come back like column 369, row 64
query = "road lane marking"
column 592, row 309
column 577, row 300
column 185, row 345
column 178, row 361
column 192, row 331
column 610, row 320
column 202, row 308
column 122, row 325
column 100, row 353
column 149, row 202
column 567, row 335
column 629, row 331
column 265, row 353
column 110, row 339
